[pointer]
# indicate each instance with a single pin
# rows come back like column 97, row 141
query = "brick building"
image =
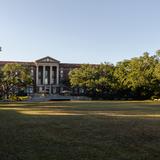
column 49, row 75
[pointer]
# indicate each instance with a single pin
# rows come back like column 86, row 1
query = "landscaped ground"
column 80, row 131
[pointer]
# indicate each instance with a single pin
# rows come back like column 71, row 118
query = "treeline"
column 137, row 78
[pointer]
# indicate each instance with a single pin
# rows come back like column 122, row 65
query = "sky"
column 78, row 31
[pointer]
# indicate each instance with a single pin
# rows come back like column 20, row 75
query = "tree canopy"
column 14, row 77
column 97, row 80
column 137, row 78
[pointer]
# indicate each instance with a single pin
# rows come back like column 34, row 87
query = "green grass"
column 100, row 130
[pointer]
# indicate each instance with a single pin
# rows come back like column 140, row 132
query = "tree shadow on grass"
column 81, row 108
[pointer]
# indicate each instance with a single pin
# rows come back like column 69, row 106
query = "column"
column 37, row 70
column 50, row 90
column 51, row 76
column 43, row 74
column 57, row 75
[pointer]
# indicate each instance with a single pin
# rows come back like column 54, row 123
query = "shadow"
column 106, row 109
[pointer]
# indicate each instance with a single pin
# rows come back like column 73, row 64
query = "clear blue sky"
column 77, row 31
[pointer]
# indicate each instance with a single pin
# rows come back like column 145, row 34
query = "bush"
column 155, row 97
column 18, row 98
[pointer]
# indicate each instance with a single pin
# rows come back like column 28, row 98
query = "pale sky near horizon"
column 78, row 31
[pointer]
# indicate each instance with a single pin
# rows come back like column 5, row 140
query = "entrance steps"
column 44, row 98
column 56, row 97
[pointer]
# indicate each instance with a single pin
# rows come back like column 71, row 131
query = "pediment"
column 47, row 60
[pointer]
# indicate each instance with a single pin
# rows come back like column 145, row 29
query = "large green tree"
column 83, row 77
column 97, row 80
column 14, row 77
column 157, row 71
column 137, row 75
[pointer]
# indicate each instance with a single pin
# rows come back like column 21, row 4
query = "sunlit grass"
column 51, row 111
column 103, row 108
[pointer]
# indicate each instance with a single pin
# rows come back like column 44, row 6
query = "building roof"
column 68, row 65
column 19, row 62
column 47, row 59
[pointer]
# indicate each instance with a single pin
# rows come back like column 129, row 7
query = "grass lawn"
column 101, row 130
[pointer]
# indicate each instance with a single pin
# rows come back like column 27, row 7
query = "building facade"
column 48, row 74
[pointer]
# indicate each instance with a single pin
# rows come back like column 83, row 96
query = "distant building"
column 49, row 75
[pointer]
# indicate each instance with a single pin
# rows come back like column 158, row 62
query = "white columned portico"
column 48, row 80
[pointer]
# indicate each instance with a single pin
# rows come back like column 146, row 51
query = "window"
column 32, row 72
column 46, row 80
column 61, row 72
column 47, row 60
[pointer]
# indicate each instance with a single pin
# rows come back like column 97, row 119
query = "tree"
column 83, row 77
column 157, row 71
column 105, row 82
column 121, row 72
column 96, row 80
column 158, row 53
column 136, row 75
column 15, row 77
